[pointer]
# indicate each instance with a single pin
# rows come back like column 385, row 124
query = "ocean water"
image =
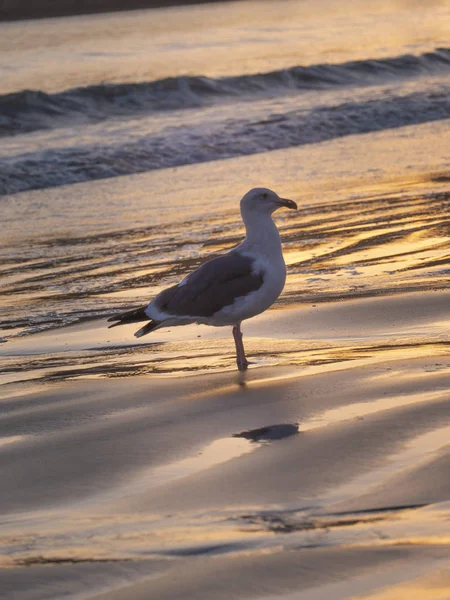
column 87, row 103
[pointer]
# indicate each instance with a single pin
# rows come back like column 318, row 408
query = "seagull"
column 228, row 289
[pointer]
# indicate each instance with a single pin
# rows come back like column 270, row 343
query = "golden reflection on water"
column 416, row 452
column 219, row 451
column 300, row 358
column 378, row 244
column 11, row 439
column 374, row 243
column 362, row 409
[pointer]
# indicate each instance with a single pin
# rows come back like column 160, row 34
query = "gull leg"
column 241, row 360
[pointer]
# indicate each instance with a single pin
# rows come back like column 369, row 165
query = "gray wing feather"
column 214, row 285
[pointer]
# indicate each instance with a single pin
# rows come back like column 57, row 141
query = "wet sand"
column 324, row 469
column 152, row 469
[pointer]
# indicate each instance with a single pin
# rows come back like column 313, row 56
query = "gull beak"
column 287, row 203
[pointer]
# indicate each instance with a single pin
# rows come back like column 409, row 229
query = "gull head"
column 262, row 200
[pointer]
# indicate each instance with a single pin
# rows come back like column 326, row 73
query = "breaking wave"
column 30, row 110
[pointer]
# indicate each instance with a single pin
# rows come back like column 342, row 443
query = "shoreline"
column 286, row 334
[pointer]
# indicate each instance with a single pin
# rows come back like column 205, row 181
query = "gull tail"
column 135, row 316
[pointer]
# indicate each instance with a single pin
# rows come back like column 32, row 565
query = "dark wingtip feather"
column 131, row 316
